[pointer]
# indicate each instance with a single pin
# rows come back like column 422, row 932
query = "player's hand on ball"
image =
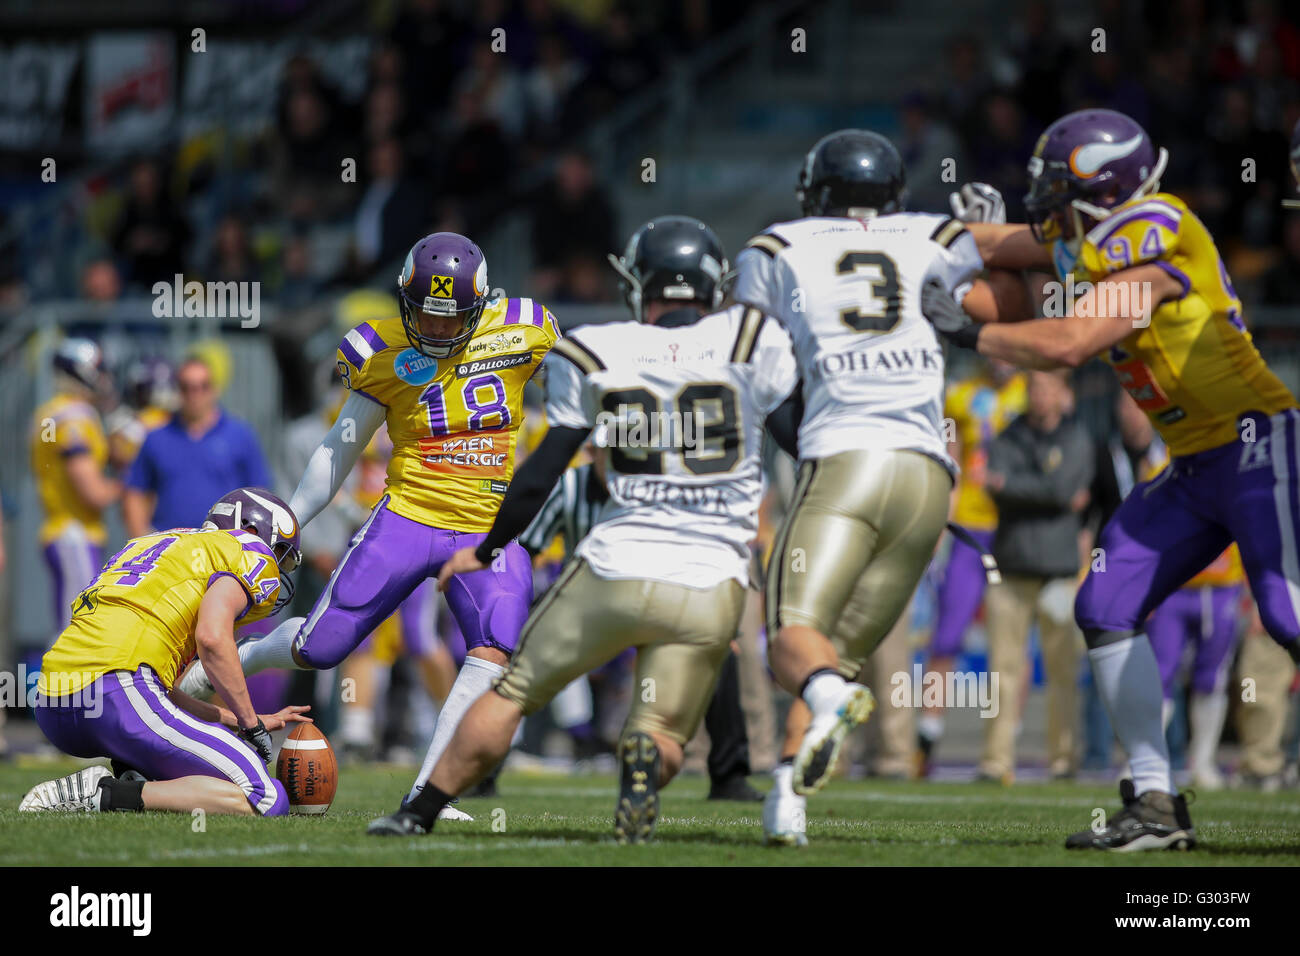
column 948, row 318
column 292, row 714
column 259, row 738
column 978, row 202
column 462, row 562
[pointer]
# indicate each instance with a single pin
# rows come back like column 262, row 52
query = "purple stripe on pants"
column 387, row 560
column 959, row 595
column 127, row 717
column 1205, row 618
column 1171, row 527
column 73, row 565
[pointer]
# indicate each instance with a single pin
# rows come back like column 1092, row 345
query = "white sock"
column 275, row 650
column 473, row 681
column 783, row 779
column 930, row 726
column 823, row 692
column 357, row 725
column 1128, row 681
column 1207, row 713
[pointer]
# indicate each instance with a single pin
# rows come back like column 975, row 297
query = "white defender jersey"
column 849, row 293
column 680, row 412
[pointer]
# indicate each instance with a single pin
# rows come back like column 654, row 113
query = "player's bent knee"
column 280, row 807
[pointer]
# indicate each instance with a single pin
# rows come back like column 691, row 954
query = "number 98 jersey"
column 453, row 422
column 679, row 410
column 849, row 293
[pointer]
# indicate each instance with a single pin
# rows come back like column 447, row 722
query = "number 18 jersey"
column 679, row 411
column 453, row 422
column 849, row 293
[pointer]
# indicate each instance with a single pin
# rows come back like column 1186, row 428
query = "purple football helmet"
column 265, row 515
column 82, row 360
column 1086, row 164
column 444, row 275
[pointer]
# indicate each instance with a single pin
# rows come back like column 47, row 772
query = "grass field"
column 559, row 821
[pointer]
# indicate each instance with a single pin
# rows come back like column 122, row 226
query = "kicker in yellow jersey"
column 447, row 379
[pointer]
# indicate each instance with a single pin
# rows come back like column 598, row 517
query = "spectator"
column 232, row 257
column 1039, row 470
column 200, row 455
column 100, row 281
column 573, row 199
column 150, row 236
column 393, row 208
column 925, row 145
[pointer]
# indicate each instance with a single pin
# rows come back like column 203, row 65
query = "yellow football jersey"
column 1224, row 571
column 453, row 422
column 143, row 605
column 1193, row 369
column 979, row 409
column 125, row 442
column 66, row 426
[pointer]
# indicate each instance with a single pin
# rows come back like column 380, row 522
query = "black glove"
column 259, row 738
column 948, row 318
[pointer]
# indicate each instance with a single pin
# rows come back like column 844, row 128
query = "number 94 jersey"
column 679, row 410
column 849, row 293
column 453, row 422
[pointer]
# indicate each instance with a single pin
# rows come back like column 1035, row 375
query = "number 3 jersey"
column 144, row 603
column 453, row 422
column 849, row 293
column 679, row 411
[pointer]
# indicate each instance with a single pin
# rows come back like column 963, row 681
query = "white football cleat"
column 785, row 813
column 820, row 750
column 76, row 793
column 451, row 813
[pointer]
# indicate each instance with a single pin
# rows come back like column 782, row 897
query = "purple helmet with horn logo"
column 445, row 275
column 1086, row 164
column 265, row 515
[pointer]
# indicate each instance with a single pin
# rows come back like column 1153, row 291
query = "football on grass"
column 308, row 769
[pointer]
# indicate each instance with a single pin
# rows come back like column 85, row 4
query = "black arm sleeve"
column 783, row 423
column 531, row 487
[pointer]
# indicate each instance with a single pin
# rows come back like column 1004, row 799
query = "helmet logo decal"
column 440, row 286
column 1087, row 160
column 408, row 270
column 480, row 277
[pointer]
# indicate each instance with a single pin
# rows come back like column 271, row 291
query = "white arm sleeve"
column 335, row 456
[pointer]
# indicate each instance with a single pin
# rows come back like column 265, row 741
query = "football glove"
column 978, row 202
column 259, row 738
column 948, row 318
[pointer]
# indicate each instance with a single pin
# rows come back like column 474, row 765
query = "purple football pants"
column 73, row 562
column 1205, row 618
column 386, row 561
column 128, row 717
column 1173, row 526
column 959, row 595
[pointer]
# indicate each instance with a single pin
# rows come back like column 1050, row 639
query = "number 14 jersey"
column 453, row 422
column 849, row 293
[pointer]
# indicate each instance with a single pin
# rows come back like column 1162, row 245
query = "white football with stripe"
column 308, row 769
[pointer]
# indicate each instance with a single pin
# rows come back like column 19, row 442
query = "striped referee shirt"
column 573, row 506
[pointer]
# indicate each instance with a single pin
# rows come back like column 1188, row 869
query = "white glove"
column 978, row 202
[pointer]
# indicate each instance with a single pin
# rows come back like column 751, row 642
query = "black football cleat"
column 735, row 788
column 637, row 811
column 1153, row 821
column 403, row 823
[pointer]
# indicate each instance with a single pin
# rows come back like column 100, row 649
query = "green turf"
column 566, row 821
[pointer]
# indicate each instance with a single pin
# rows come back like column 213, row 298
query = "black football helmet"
column 852, row 172
column 674, row 259
column 268, row 517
